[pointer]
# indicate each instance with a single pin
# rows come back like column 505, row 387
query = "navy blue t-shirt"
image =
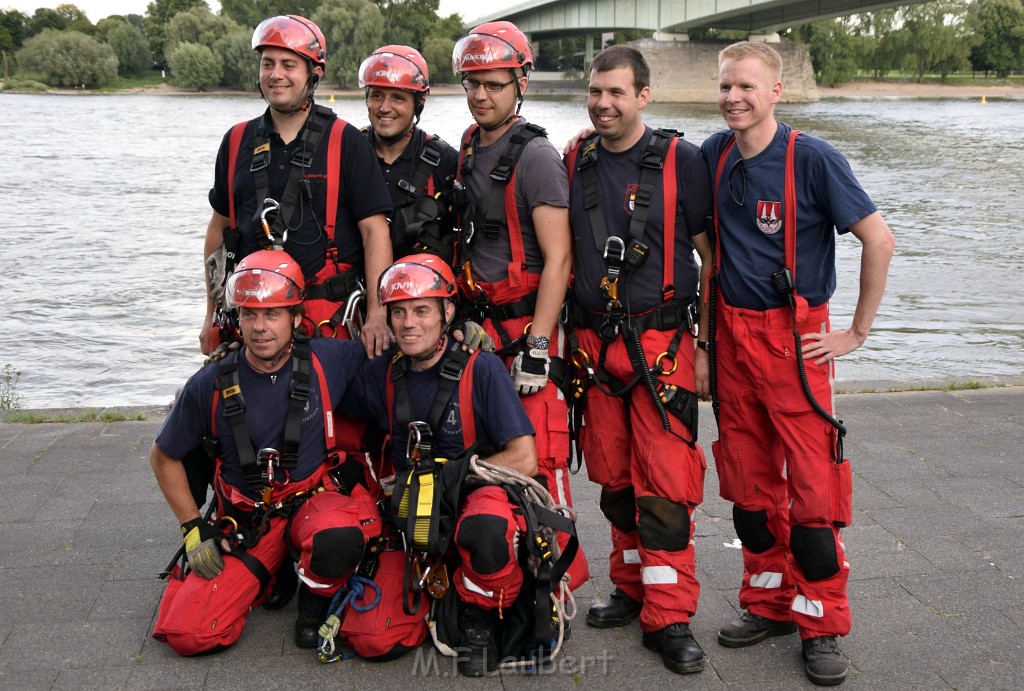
column 361, row 193
column 618, row 176
column 498, row 413
column 266, row 409
column 752, row 240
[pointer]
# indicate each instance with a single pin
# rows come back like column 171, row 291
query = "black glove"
column 203, row 547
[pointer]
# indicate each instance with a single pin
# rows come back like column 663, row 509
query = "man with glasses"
column 516, row 250
column 780, row 196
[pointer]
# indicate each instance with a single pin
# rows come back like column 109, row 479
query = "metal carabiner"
column 419, row 438
column 268, row 206
column 611, row 243
column 353, row 319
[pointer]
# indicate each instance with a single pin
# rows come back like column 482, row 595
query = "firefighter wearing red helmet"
column 417, row 167
column 265, row 414
column 515, row 243
column 299, row 179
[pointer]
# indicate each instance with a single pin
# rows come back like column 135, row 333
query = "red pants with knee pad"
column 626, row 446
column 547, row 410
column 487, row 539
column 776, row 461
column 199, row 615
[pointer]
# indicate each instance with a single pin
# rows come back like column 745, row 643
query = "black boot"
column 312, row 613
column 478, row 656
column 679, row 651
column 285, row 582
column 618, row 611
column 752, row 628
column 825, row 663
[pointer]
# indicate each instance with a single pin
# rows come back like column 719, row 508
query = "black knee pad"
column 815, row 551
column 483, row 537
column 619, row 507
column 663, row 524
column 752, row 529
column 336, row 552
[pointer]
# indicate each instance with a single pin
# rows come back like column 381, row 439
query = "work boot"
column 478, row 656
column 312, row 613
column 285, row 583
column 679, row 651
column 752, row 628
column 618, row 611
column 826, row 664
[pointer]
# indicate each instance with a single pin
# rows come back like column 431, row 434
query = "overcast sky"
column 98, row 9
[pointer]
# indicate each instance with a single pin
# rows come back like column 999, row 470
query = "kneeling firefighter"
column 264, row 415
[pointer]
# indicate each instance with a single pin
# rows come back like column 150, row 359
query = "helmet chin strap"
column 302, row 103
column 394, row 139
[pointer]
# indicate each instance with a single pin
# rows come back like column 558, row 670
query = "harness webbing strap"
column 453, row 367
column 333, row 179
column 423, row 179
column 234, row 144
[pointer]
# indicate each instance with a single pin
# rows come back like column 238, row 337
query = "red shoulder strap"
column 789, row 197
column 670, row 193
column 466, row 407
column 325, row 395
column 333, row 177
column 234, row 144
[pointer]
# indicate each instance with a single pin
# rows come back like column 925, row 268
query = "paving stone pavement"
column 936, row 569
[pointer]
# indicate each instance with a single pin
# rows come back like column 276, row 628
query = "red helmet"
column 416, row 276
column 492, row 46
column 395, row 67
column 268, row 278
column 293, row 33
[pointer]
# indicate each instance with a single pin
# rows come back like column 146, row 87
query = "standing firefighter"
column 418, row 168
column 640, row 199
column 780, row 197
column 515, row 245
column 298, row 177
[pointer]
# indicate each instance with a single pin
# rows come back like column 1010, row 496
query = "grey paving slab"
column 936, row 550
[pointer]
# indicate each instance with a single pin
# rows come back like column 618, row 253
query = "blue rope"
column 354, row 590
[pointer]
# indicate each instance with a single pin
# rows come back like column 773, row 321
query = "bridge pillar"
column 687, row 71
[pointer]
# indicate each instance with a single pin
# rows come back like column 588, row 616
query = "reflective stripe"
column 560, row 486
column 812, row 608
column 768, row 579
column 659, row 575
column 630, row 556
column 310, row 582
column 470, row 585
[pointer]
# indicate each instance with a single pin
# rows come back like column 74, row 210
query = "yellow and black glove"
column 202, row 547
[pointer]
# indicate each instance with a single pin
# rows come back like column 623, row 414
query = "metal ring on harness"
column 327, row 322
column 657, row 362
column 526, row 329
column 581, row 359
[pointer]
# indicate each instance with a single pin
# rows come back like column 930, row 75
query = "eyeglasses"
column 743, row 178
column 491, row 87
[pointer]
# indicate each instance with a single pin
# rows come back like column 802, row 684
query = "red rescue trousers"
column 776, row 461
column 199, row 615
column 652, row 480
column 547, row 410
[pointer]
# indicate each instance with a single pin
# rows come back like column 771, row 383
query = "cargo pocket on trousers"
column 729, row 466
column 842, row 494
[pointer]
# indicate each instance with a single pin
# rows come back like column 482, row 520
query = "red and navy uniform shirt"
column 362, row 193
column 618, row 175
column 540, row 180
column 829, row 198
column 266, row 409
column 498, row 413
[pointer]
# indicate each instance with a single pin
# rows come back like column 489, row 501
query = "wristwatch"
column 703, row 345
column 538, row 342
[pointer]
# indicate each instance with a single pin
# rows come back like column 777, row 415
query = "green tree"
column 104, row 26
column 241, row 66
column 194, row 66
column 998, row 27
column 13, row 30
column 158, row 15
column 131, row 48
column 352, row 29
column 69, row 58
column 936, row 37
column 251, row 12
column 834, row 50
column 197, row 25
column 407, row 22
column 437, row 51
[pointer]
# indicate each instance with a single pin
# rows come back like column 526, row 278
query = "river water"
column 104, row 211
